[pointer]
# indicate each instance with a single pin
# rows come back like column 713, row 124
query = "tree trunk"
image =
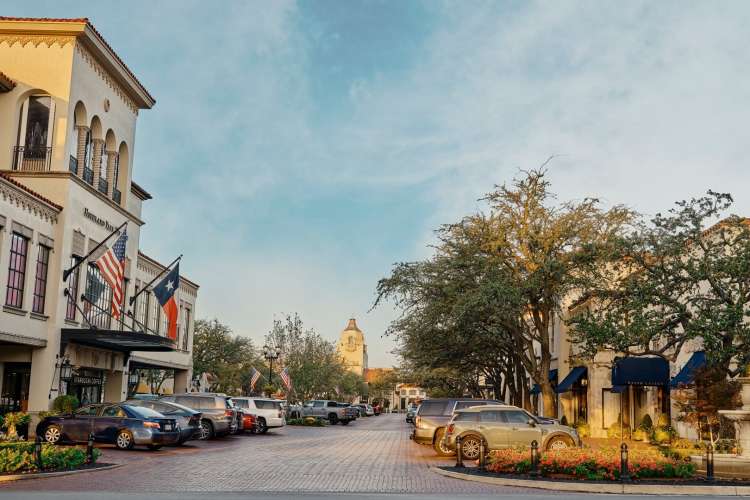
column 549, row 406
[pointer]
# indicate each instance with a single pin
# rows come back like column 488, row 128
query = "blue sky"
column 298, row 149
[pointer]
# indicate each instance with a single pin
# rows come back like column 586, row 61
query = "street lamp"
column 66, row 370
column 270, row 353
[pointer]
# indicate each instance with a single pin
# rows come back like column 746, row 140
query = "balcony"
column 34, row 159
column 117, row 196
column 103, row 185
column 88, row 175
column 73, row 164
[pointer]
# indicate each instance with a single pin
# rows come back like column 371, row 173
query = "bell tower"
column 353, row 349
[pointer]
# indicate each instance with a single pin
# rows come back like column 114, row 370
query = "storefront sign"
column 98, row 220
column 86, row 381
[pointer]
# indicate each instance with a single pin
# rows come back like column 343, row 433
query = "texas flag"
column 165, row 294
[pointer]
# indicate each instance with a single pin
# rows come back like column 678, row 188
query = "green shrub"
column 65, row 404
column 583, row 429
column 662, row 420
column 640, row 435
column 307, row 421
column 19, row 457
column 646, row 423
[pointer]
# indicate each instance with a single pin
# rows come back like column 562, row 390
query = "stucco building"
column 68, row 112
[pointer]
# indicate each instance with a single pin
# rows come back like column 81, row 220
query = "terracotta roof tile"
column 30, row 191
column 79, row 20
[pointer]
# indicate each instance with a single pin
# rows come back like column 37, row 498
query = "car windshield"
column 241, row 403
column 143, row 412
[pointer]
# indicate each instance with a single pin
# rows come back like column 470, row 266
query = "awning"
column 552, row 378
column 688, row 372
column 573, row 376
column 651, row 371
column 617, row 389
column 116, row 340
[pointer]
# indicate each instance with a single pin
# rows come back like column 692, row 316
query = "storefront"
column 573, row 395
column 14, row 395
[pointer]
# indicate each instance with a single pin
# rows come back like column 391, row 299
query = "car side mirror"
column 531, row 422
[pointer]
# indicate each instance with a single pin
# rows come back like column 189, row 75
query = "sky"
column 297, row 150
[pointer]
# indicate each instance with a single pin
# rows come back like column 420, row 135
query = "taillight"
column 228, row 413
column 450, row 428
column 152, row 425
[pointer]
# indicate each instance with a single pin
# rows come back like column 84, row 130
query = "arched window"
column 33, row 151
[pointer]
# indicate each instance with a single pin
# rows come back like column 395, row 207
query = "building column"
column 81, row 148
column 182, row 381
column 44, row 380
column 111, row 159
column 96, row 163
column 116, row 387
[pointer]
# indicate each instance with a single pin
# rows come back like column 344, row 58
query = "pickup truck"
column 331, row 410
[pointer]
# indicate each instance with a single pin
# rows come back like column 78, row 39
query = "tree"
column 314, row 364
column 699, row 404
column 487, row 300
column 230, row 358
column 681, row 279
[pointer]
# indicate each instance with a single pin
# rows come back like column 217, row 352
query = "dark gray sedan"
column 188, row 420
column 120, row 424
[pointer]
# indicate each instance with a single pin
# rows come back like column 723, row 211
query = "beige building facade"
column 68, row 112
column 353, row 349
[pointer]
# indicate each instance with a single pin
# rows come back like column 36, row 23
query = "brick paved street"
column 370, row 455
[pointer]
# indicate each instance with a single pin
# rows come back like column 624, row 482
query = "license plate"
column 167, row 427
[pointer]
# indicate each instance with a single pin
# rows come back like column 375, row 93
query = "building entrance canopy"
column 688, row 372
column 116, row 340
column 573, row 376
column 643, row 371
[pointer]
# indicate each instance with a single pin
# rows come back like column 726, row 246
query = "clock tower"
column 353, row 349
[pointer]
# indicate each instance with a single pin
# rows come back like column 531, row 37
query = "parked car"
column 219, row 417
column 377, row 409
column 353, row 410
column 268, row 412
column 366, row 410
column 434, row 415
column 188, row 420
column 329, row 410
column 294, row 410
column 121, row 424
column 411, row 412
column 145, row 396
column 503, row 426
column 248, row 421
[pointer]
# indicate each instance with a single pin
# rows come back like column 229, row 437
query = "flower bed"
column 18, row 457
column 583, row 463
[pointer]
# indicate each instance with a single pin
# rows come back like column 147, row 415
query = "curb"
column 43, row 475
column 577, row 486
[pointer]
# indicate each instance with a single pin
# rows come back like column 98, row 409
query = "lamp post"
column 270, row 353
column 66, row 374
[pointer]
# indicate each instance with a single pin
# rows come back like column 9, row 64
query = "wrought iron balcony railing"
column 88, row 175
column 34, row 159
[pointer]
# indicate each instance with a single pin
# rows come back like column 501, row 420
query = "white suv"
column 268, row 412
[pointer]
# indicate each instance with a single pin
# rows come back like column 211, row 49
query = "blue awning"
column 617, row 389
column 688, row 372
column 552, row 378
column 573, row 376
column 652, row 371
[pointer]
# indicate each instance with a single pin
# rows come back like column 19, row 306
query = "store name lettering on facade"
column 98, row 220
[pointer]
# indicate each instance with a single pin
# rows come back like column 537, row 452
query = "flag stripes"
column 112, row 266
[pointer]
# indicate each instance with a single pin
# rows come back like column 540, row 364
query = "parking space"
column 371, row 455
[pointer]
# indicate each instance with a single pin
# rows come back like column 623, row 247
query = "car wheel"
column 53, row 434
column 470, row 447
column 261, row 427
column 559, row 443
column 124, row 440
column 207, row 430
column 439, row 446
column 154, row 447
column 333, row 419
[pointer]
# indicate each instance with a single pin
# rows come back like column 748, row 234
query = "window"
column 113, row 411
column 265, row 404
column 98, row 298
column 435, row 408
column 154, row 320
column 37, row 126
column 87, row 411
column 463, row 416
column 19, row 246
column 40, row 282
column 70, row 308
column 186, row 328
column 318, row 404
column 516, row 417
column 492, row 416
column 241, row 403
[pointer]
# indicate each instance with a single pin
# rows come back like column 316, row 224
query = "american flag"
column 285, row 378
column 254, row 377
column 112, row 266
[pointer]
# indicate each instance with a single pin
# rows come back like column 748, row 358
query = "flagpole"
column 80, row 260
column 144, row 288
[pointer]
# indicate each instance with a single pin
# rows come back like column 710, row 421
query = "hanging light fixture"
column 66, row 370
